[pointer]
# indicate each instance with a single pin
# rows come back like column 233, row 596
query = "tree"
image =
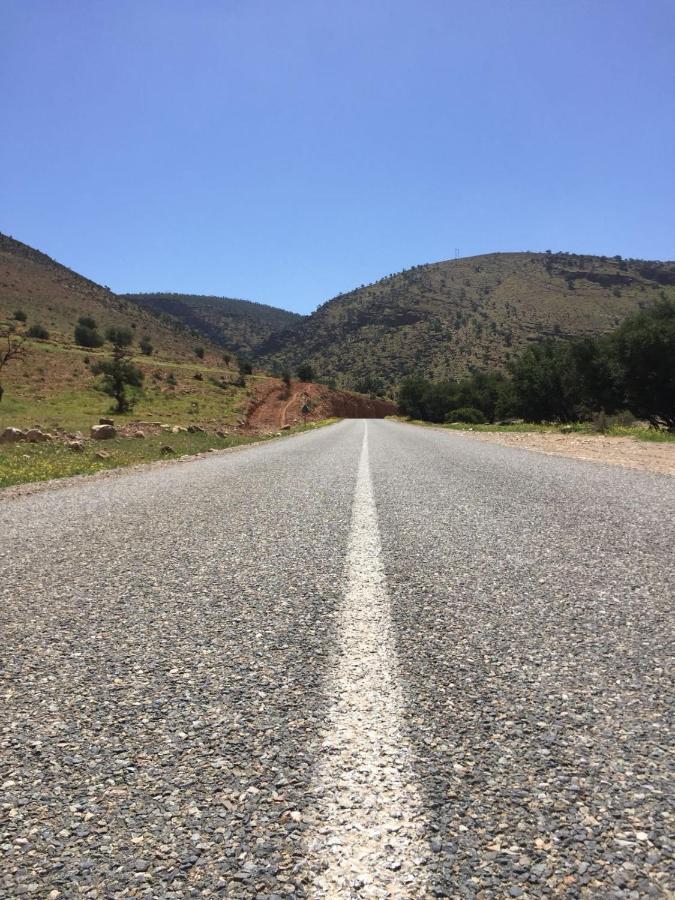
column 119, row 373
column 644, row 345
column 11, row 347
column 39, row 332
column 86, row 334
column 540, row 383
column 145, row 346
column 481, row 392
column 119, row 337
column 411, row 396
column 370, row 385
column 305, row 372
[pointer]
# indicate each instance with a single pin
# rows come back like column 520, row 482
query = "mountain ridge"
column 240, row 326
column 449, row 318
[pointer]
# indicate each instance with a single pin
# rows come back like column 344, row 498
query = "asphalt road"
column 399, row 665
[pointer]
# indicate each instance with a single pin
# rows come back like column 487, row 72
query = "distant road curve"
column 374, row 661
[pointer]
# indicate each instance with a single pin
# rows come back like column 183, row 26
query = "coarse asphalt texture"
column 169, row 646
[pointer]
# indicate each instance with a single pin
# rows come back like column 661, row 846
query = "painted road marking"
column 367, row 834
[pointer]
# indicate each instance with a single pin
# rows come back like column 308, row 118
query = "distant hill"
column 448, row 318
column 238, row 325
column 54, row 296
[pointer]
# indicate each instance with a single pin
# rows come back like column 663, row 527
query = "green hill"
column 52, row 383
column 449, row 318
column 238, row 325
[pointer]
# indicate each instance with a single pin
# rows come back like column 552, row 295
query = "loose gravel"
column 172, row 640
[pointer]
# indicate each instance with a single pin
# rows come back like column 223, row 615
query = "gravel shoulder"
column 614, row 451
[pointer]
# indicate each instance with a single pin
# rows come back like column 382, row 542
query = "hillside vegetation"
column 72, row 353
column 240, row 326
column 56, row 297
column 52, row 383
column 448, row 319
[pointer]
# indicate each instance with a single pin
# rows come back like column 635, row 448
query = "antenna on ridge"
column 456, row 252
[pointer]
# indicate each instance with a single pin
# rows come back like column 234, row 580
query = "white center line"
column 367, row 838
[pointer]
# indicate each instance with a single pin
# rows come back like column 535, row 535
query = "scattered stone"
column 102, row 454
column 139, row 434
column 104, row 420
column 178, row 429
column 75, row 446
column 285, row 427
column 103, row 432
column 166, row 450
column 196, row 429
column 11, row 436
column 37, row 436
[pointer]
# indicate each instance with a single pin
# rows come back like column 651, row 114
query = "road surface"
column 373, row 660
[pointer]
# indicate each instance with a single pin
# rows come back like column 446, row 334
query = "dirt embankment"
column 275, row 405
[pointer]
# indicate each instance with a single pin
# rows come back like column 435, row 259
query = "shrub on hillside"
column 305, row 372
column 39, row 332
column 86, row 336
column 20, row 315
column 145, row 346
column 119, row 337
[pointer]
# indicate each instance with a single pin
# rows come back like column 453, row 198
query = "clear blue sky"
column 287, row 150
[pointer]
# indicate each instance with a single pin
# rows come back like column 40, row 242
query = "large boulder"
column 103, row 432
column 11, row 436
column 76, row 446
column 36, row 436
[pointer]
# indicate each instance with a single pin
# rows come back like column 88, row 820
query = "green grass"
column 79, row 409
column 638, row 432
column 23, row 463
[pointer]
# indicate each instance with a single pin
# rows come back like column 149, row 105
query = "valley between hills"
column 227, row 369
